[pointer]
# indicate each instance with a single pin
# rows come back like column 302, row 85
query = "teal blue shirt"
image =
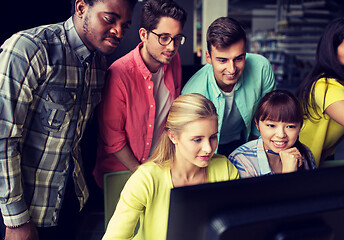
column 256, row 80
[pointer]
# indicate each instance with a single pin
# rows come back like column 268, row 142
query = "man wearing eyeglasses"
column 140, row 89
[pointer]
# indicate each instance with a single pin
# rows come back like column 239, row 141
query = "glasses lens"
column 165, row 39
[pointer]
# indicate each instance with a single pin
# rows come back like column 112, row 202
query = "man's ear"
column 143, row 34
column 80, row 8
column 172, row 136
column 208, row 57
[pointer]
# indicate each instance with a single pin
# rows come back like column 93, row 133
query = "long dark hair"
column 282, row 106
column 326, row 66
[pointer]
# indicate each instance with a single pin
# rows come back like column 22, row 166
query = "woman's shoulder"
column 151, row 167
column 329, row 90
column 247, row 154
column 148, row 174
column 247, row 148
column 325, row 82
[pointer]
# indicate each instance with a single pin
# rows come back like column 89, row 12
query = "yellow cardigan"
column 322, row 134
column 146, row 196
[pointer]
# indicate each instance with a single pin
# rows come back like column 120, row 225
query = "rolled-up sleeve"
column 112, row 114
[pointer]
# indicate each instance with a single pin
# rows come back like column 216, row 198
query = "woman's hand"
column 291, row 159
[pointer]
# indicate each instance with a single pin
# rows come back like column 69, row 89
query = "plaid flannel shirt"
column 49, row 85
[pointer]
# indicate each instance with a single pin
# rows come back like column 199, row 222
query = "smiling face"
column 197, row 142
column 228, row 64
column 103, row 25
column 153, row 53
column 278, row 136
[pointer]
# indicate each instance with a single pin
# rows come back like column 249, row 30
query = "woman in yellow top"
column 322, row 95
column 184, row 156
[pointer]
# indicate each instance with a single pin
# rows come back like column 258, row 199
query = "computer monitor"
column 306, row 205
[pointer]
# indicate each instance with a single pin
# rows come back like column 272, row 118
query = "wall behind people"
column 21, row 14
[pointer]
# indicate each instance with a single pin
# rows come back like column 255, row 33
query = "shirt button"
column 149, row 87
column 150, row 125
column 221, row 102
column 152, row 106
column 143, row 159
column 148, row 144
column 219, row 123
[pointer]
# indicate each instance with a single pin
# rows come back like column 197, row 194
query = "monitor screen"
column 301, row 205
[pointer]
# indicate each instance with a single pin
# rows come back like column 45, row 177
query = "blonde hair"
column 185, row 109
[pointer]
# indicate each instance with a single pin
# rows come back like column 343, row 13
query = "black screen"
column 301, row 205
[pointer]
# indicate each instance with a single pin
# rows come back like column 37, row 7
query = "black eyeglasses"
column 165, row 39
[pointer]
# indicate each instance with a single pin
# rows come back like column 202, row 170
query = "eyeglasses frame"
column 172, row 38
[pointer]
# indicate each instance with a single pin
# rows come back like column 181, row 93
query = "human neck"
column 187, row 175
column 152, row 65
column 227, row 88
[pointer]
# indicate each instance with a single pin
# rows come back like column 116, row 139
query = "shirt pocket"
column 56, row 110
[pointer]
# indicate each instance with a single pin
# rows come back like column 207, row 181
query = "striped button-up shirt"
column 251, row 161
column 49, row 85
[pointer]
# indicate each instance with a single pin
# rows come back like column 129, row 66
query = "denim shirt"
column 50, row 84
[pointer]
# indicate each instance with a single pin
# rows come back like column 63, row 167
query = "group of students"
column 142, row 85
column 187, row 150
column 229, row 122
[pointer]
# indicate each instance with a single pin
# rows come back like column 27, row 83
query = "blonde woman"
column 184, row 156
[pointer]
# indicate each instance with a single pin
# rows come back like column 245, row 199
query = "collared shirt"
column 127, row 113
column 256, row 80
column 49, row 85
column 251, row 161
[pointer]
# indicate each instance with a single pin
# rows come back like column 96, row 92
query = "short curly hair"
column 91, row 2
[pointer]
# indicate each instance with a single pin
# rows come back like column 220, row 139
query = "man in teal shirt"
column 233, row 80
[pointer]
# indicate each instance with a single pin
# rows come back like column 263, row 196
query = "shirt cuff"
column 15, row 213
